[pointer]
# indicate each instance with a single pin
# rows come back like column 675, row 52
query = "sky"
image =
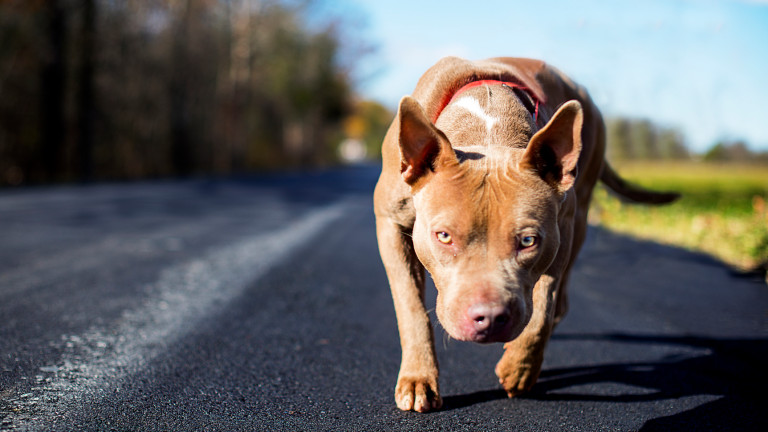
column 697, row 65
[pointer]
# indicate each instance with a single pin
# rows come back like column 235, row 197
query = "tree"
column 619, row 145
column 85, row 101
column 734, row 151
column 137, row 88
column 368, row 123
column 632, row 139
column 52, row 81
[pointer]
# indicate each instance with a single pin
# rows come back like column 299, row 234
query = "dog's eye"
column 527, row 241
column 444, row 238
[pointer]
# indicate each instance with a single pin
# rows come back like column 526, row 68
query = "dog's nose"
column 488, row 319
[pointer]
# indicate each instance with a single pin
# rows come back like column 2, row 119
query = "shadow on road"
column 731, row 368
column 463, row 401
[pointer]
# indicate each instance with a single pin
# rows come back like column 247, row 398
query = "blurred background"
column 96, row 90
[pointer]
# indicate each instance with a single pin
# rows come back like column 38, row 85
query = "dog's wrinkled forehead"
column 487, row 115
column 488, row 181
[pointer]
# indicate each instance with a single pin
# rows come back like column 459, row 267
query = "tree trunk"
column 85, row 106
column 181, row 150
column 52, row 92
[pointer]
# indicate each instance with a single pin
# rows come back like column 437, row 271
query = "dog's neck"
column 528, row 99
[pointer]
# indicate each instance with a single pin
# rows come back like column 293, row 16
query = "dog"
column 487, row 174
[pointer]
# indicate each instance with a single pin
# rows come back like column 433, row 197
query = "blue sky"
column 697, row 65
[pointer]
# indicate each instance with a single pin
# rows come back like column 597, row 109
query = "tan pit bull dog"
column 487, row 175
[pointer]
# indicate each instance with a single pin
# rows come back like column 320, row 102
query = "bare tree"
column 136, row 88
column 85, row 100
column 52, row 81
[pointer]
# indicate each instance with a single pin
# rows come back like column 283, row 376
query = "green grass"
column 723, row 211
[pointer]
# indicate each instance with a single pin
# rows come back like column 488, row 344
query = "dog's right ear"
column 423, row 147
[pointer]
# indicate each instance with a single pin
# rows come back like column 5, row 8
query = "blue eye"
column 527, row 241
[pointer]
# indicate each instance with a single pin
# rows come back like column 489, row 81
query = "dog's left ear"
column 553, row 152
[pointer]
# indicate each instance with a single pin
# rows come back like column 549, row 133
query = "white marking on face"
column 473, row 106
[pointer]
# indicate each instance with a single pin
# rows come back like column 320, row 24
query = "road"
column 260, row 303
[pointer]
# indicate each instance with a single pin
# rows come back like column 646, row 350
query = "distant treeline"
column 630, row 139
column 104, row 89
column 734, row 151
column 640, row 139
column 95, row 89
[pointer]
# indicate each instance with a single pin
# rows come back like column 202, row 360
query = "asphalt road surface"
column 261, row 304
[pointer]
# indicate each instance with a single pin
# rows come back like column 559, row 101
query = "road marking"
column 184, row 295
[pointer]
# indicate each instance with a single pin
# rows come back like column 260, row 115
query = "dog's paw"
column 517, row 378
column 417, row 394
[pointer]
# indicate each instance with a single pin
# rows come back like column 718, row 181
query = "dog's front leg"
column 520, row 365
column 417, row 382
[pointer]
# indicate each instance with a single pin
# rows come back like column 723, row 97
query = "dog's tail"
column 633, row 193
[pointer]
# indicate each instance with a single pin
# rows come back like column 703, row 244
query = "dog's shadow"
column 465, row 400
column 733, row 369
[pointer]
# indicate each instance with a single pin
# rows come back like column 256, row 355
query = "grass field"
column 723, row 211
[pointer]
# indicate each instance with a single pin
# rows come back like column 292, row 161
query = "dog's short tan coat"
column 489, row 192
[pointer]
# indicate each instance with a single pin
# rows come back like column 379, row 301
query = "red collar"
column 502, row 83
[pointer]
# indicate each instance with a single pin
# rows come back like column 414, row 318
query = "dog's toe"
column 420, row 395
column 515, row 387
column 517, row 379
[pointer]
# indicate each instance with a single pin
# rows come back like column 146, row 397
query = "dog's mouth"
column 502, row 330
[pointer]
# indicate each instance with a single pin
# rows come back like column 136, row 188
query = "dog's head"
column 487, row 215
